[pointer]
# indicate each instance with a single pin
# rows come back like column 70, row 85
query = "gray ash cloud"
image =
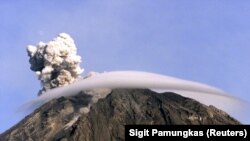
column 56, row 63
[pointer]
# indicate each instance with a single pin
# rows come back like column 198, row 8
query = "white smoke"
column 56, row 63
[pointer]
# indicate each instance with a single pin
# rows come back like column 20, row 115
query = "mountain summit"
column 70, row 118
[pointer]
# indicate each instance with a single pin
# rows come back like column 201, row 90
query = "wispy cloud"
column 134, row 79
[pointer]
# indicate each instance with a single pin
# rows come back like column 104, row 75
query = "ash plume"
column 56, row 63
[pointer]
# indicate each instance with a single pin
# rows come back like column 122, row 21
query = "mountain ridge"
column 71, row 118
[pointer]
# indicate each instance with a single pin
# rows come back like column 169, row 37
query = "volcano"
column 72, row 118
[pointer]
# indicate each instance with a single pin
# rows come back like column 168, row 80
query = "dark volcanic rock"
column 65, row 119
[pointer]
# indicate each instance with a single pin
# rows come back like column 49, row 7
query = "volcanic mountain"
column 73, row 119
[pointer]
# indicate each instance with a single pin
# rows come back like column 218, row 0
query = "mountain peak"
column 71, row 118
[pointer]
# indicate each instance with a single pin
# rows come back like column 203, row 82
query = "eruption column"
column 56, row 63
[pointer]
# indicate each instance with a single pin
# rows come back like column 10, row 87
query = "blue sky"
column 205, row 41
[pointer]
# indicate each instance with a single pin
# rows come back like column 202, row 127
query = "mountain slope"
column 68, row 118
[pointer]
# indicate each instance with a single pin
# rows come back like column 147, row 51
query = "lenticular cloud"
column 135, row 79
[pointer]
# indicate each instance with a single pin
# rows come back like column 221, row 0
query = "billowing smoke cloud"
column 56, row 63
